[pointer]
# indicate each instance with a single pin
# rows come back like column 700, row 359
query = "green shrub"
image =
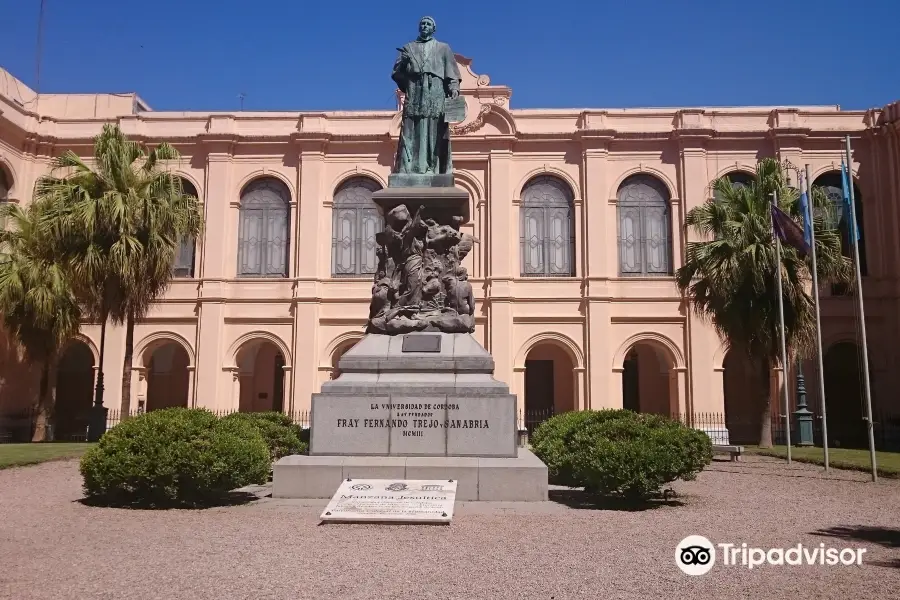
column 305, row 436
column 282, row 436
column 548, row 443
column 272, row 416
column 176, row 456
column 634, row 455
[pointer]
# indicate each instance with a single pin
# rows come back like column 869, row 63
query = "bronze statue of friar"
column 427, row 74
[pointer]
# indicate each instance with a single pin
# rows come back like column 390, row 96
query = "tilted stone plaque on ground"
column 392, row 501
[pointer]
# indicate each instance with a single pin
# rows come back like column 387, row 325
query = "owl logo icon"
column 695, row 555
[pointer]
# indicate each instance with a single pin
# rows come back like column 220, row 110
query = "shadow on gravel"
column 883, row 536
column 890, row 564
column 231, row 499
column 763, row 464
column 768, row 471
column 585, row 500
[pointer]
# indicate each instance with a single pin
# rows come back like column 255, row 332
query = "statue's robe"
column 426, row 79
column 413, row 275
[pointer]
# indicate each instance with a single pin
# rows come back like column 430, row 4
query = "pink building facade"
column 580, row 218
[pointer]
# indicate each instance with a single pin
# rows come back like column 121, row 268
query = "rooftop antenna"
column 241, row 96
column 39, row 50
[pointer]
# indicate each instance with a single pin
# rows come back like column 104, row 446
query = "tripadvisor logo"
column 696, row 555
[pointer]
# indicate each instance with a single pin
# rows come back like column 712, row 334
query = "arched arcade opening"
column 550, row 383
column 338, row 353
column 743, row 395
column 168, row 376
column 649, row 380
column 844, row 396
column 262, row 377
column 74, row 392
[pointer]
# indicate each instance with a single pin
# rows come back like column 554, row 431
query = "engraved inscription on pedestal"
column 478, row 429
column 423, row 426
column 414, row 425
column 340, row 426
column 421, row 343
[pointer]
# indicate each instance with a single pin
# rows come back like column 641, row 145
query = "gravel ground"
column 52, row 546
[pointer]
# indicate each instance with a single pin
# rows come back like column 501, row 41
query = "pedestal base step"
column 520, row 479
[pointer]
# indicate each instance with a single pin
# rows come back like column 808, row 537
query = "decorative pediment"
column 485, row 103
column 473, row 81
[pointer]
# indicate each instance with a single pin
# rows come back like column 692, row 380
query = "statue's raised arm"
column 403, row 69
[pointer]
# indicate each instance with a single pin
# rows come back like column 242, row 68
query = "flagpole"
column 854, row 238
column 784, row 361
column 815, row 278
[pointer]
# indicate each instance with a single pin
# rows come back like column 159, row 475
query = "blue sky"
column 313, row 54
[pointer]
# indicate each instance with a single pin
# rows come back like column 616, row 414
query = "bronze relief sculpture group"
column 420, row 283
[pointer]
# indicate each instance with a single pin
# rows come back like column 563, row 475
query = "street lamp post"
column 803, row 417
column 98, row 413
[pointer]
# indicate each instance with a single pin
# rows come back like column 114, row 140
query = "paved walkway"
column 52, row 546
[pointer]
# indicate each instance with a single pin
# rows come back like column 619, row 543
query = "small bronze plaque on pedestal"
column 421, row 343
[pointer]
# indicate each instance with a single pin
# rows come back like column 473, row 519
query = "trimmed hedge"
column 620, row 452
column 176, row 456
column 282, row 436
column 548, row 443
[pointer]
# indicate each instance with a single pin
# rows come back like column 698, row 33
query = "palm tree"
column 118, row 223
column 729, row 276
column 37, row 302
column 165, row 216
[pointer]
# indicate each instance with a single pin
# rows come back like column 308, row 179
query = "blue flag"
column 788, row 231
column 807, row 217
column 848, row 211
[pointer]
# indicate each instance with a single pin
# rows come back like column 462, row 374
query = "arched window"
column 548, row 228
column 4, row 185
column 644, row 227
column 264, row 229
column 184, row 256
column 738, row 179
column 355, row 221
column 4, row 194
column 830, row 183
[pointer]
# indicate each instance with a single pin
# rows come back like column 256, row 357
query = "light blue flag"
column 807, row 216
column 845, row 187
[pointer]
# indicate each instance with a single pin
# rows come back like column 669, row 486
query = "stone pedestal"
column 520, row 479
column 417, row 406
column 440, row 203
column 417, row 180
column 436, row 398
